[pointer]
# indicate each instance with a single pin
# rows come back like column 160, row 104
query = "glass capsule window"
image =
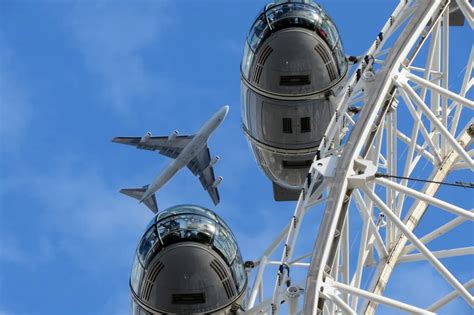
column 328, row 31
column 298, row 14
column 147, row 243
column 187, row 223
column 137, row 274
column 186, row 227
column 340, row 58
column 274, row 17
column 238, row 272
column 247, row 60
column 260, row 31
column 226, row 245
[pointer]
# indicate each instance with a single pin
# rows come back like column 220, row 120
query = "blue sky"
column 74, row 74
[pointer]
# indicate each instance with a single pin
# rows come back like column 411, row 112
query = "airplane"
column 185, row 150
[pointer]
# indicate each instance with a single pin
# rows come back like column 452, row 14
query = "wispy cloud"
column 113, row 37
column 15, row 107
column 11, row 252
column 79, row 215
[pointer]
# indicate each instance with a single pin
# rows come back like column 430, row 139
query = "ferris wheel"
column 403, row 127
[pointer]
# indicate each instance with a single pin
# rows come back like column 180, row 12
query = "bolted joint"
column 363, row 171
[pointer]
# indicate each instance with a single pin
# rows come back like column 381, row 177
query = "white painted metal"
column 446, row 299
column 344, row 177
column 437, row 232
column 438, row 203
column 439, row 254
column 380, row 299
column 421, row 247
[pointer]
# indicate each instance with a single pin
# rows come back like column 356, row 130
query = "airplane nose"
column 225, row 110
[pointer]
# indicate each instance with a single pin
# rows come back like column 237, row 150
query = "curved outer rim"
column 339, row 187
column 147, row 308
column 321, row 94
column 268, row 148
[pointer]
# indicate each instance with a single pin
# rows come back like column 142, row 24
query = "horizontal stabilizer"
column 138, row 193
column 284, row 194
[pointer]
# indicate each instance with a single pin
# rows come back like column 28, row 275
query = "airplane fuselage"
column 193, row 148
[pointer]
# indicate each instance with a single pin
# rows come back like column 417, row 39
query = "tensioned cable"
column 455, row 184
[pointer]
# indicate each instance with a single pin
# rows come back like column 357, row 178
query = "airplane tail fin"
column 138, row 193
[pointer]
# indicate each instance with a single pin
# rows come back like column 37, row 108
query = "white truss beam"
column 378, row 298
column 439, row 254
column 421, row 247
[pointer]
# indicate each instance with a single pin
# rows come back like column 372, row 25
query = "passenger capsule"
column 187, row 262
column 293, row 61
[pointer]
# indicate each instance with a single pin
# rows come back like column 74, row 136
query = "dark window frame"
column 305, row 124
column 287, row 125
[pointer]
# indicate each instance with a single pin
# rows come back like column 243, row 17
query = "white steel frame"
column 354, row 151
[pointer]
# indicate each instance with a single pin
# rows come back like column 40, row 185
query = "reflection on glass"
column 188, row 223
column 147, row 243
column 259, row 31
column 137, row 273
column 340, row 58
column 225, row 244
column 247, row 60
column 238, row 272
column 307, row 15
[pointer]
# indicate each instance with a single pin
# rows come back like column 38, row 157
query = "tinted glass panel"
column 297, row 164
column 258, row 32
column 137, row 274
column 287, row 125
column 305, row 124
column 225, row 244
column 148, row 241
column 247, row 60
column 238, row 272
column 186, row 227
column 294, row 80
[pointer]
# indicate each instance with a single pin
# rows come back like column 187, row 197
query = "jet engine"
column 173, row 136
column 214, row 161
column 218, row 181
column 293, row 61
column 145, row 137
column 187, row 262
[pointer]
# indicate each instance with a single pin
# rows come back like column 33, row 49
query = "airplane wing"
column 200, row 166
column 167, row 148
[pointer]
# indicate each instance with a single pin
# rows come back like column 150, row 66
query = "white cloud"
column 11, row 252
column 113, row 37
column 79, row 217
column 15, row 108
